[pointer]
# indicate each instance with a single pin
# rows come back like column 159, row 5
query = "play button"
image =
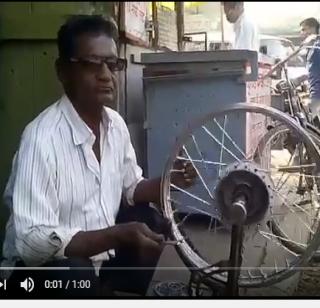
column 3, row 284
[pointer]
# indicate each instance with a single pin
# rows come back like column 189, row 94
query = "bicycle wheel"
column 309, row 201
column 222, row 148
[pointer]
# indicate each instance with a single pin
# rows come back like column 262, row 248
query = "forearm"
column 89, row 243
column 148, row 190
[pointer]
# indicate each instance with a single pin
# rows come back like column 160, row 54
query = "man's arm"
column 90, row 243
column 148, row 191
column 140, row 190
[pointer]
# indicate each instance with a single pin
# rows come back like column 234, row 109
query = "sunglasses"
column 94, row 63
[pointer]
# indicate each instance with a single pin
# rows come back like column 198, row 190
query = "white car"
column 279, row 48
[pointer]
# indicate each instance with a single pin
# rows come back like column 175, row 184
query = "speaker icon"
column 28, row 284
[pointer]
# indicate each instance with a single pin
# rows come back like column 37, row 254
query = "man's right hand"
column 133, row 235
column 138, row 236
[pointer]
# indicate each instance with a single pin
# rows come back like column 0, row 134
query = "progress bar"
column 157, row 268
column 27, row 268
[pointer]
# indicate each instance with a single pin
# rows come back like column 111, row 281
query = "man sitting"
column 75, row 162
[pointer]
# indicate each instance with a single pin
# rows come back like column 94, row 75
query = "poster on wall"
column 135, row 17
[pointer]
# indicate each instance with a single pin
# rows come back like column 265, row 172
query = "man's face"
column 306, row 31
column 92, row 85
column 232, row 13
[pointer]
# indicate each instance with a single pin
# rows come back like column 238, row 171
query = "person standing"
column 309, row 27
column 245, row 30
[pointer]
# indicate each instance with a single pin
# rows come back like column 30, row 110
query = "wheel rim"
column 194, row 258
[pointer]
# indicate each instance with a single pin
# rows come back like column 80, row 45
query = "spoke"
column 176, row 171
column 190, row 195
column 228, row 136
column 201, row 211
column 294, row 169
column 250, row 274
column 210, row 225
column 217, row 141
column 200, row 161
column 276, row 242
column 284, row 182
column 285, row 213
column 303, row 222
column 198, row 210
column 175, row 210
column 291, row 157
column 176, row 202
column 194, row 208
column 262, row 273
column 305, row 175
column 282, row 238
column 259, row 153
column 221, row 151
column 276, row 265
column 213, row 221
column 270, row 170
column 309, row 201
column 287, row 262
column 184, row 219
column 198, row 173
column 199, row 151
column 295, row 204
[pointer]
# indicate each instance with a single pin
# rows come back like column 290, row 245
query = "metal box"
column 181, row 86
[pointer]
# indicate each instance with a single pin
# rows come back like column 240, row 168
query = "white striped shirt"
column 57, row 187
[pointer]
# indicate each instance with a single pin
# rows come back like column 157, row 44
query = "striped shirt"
column 58, row 188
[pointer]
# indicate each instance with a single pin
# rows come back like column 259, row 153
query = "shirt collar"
column 81, row 132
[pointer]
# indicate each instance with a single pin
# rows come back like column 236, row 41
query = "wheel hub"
column 243, row 193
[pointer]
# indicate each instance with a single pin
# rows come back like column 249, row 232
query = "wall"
column 28, row 82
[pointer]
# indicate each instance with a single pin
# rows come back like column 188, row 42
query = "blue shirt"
column 313, row 66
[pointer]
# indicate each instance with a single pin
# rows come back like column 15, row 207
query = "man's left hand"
column 184, row 174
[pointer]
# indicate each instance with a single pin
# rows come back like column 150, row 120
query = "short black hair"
column 233, row 4
column 81, row 24
column 312, row 23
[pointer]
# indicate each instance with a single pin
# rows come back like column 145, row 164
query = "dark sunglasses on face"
column 95, row 63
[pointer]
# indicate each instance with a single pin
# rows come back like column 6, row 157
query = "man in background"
column 245, row 30
column 310, row 26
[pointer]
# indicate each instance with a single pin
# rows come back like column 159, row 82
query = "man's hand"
column 133, row 235
column 184, row 174
column 148, row 190
column 138, row 236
